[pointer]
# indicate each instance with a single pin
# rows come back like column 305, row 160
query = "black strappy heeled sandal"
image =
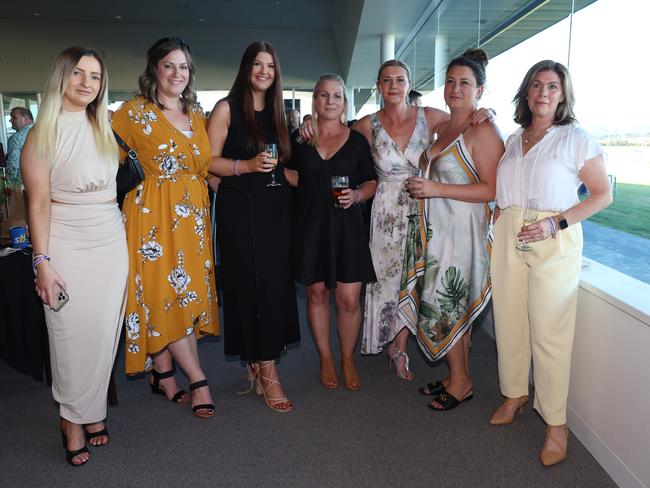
column 70, row 455
column 181, row 396
column 94, row 435
column 204, row 410
column 448, row 401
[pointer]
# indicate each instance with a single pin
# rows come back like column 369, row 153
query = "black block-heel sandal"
column 432, row 389
column 181, row 396
column 448, row 401
column 70, row 455
column 94, row 435
column 205, row 410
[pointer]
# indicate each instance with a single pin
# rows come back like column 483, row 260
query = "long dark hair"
column 148, row 80
column 242, row 93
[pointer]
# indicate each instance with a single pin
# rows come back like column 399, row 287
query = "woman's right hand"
column 46, row 279
column 260, row 164
column 306, row 129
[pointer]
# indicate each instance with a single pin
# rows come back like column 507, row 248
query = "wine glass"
column 272, row 154
column 530, row 217
column 339, row 183
column 414, row 205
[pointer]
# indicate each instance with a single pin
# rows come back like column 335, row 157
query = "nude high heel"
column 328, row 373
column 350, row 375
column 506, row 413
column 555, row 445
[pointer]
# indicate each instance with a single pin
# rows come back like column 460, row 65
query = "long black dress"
column 253, row 229
column 330, row 244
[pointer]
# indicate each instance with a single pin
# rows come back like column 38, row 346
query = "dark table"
column 23, row 336
column 23, row 333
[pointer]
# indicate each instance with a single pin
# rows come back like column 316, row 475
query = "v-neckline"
column 173, row 128
column 337, row 151
column 408, row 143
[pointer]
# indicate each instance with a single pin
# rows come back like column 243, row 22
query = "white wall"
column 609, row 399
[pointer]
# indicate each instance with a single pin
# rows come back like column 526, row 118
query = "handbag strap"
column 125, row 147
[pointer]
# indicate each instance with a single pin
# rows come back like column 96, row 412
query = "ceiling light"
column 118, row 17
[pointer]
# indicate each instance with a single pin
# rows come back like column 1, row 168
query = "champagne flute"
column 339, row 183
column 414, row 205
column 272, row 151
column 530, row 217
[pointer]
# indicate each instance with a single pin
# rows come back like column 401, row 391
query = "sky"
column 609, row 65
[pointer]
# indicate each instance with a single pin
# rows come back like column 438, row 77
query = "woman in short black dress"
column 253, row 221
column 331, row 244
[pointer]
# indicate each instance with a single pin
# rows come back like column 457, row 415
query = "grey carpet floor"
column 382, row 435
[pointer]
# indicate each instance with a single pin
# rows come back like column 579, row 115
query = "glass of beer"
column 272, row 151
column 339, row 183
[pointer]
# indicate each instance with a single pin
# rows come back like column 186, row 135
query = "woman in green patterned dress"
column 446, row 285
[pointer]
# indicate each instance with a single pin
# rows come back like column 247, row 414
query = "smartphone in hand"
column 60, row 298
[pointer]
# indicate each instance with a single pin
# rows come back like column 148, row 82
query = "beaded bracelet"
column 236, row 164
column 38, row 259
column 553, row 225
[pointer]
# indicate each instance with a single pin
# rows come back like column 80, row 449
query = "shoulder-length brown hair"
column 564, row 114
column 242, row 93
column 148, row 80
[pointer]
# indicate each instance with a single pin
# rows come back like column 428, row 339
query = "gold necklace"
column 532, row 136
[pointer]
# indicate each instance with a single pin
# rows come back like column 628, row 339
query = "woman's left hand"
column 537, row 231
column 419, row 187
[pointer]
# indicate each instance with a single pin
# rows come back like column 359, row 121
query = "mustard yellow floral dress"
column 171, row 268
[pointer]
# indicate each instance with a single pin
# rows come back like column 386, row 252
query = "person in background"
column 22, row 121
column 293, row 119
column 172, row 295
column 253, row 220
column 69, row 164
column 330, row 244
column 415, row 98
column 448, row 248
column 535, row 268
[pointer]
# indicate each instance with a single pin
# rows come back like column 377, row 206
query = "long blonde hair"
column 96, row 111
column 344, row 116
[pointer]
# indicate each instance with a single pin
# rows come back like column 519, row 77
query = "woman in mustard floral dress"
column 171, row 297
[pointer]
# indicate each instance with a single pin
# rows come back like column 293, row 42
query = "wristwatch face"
column 563, row 224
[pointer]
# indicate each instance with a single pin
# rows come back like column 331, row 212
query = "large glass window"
column 600, row 45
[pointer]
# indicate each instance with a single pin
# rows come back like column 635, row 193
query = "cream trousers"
column 534, row 300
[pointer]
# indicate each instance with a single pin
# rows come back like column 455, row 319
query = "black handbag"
column 129, row 173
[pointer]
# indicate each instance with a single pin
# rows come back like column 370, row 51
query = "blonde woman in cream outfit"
column 69, row 164
column 535, row 292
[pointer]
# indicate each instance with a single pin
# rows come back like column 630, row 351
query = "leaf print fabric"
column 171, row 278
column 446, row 285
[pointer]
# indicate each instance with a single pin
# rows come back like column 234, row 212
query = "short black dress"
column 253, row 231
column 330, row 244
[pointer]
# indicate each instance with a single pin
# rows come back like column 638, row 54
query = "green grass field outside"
column 629, row 212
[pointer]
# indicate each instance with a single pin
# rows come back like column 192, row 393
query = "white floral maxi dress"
column 388, row 227
column 448, row 258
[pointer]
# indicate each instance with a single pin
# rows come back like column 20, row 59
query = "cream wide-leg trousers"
column 534, row 300
column 88, row 249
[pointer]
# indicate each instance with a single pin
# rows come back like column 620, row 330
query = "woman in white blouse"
column 535, row 268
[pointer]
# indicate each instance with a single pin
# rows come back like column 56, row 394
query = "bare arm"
column 594, row 176
column 217, row 128
column 36, row 176
column 364, row 192
column 363, row 126
column 486, row 147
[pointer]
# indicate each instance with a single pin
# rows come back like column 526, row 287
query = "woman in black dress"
column 253, row 221
column 330, row 243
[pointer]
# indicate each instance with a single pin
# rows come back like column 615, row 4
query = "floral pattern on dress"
column 388, row 228
column 167, row 217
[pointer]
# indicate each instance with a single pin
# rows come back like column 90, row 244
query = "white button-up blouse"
column 549, row 172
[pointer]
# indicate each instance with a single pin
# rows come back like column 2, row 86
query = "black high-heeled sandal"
column 179, row 397
column 70, row 455
column 93, row 435
column 204, row 410
column 448, row 401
